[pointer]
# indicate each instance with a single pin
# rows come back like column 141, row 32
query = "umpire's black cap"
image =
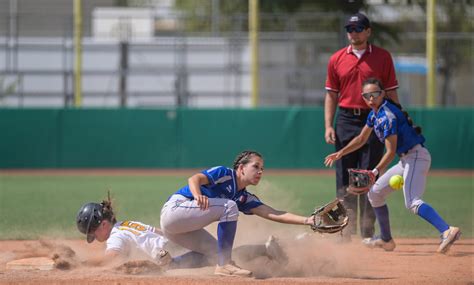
column 358, row 19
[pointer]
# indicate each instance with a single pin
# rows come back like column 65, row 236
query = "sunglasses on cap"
column 357, row 29
column 373, row 94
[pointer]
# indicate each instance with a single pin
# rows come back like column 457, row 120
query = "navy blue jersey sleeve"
column 247, row 202
column 217, row 174
column 370, row 119
column 389, row 127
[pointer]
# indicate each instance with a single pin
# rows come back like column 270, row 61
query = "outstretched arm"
column 353, row 145
column 110, row 258
column 271, row 214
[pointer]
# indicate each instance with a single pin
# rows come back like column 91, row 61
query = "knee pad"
column 231, row 212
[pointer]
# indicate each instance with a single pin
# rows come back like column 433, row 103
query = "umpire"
column 346, row 70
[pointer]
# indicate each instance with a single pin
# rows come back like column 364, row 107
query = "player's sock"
column 384, row 222
column 431, row 216
column 225, row 241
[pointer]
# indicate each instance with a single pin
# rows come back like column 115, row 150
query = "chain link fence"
column 197, row 61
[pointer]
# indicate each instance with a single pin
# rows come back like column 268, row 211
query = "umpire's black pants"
column 349, row 123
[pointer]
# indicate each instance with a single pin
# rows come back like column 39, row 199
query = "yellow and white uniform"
column 133, row 238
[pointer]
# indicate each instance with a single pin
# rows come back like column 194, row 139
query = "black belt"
column 355, row 111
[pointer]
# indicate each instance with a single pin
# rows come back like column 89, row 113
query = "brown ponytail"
column 107, row 210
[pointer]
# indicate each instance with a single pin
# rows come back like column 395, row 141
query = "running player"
column 217, row 195
column 400, row 137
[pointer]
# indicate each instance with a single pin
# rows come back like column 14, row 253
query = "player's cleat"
column 448, row 237
column 232, row 269
column 377, row 242
column 275, row 251
column 163, row 259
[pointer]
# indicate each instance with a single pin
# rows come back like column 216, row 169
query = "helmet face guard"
column 88, row 219
column 90, row 237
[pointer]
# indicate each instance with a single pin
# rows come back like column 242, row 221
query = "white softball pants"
column 183, row 222
column 414, row 167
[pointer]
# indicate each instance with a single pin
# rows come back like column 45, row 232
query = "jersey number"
column 132, row 227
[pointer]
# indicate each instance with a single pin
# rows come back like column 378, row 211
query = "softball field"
column 313, row 258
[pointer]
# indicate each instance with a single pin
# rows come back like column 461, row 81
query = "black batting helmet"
column 89, row 218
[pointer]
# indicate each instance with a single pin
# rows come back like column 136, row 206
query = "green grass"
column 46, row 206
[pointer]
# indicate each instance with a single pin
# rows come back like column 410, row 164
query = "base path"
column 321, row 260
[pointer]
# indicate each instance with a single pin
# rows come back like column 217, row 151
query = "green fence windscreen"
column 191, row 138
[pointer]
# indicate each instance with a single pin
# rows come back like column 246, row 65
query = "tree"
column 276, row 16
column 452, row 56
column 452, row 18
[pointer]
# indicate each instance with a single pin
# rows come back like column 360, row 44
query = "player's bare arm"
column 390, row 152
column 195, row 183
column 109, row 258
column 353, row 145
column 269, row 213
column 330, row 103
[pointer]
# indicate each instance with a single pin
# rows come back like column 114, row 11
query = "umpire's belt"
column 355, row 111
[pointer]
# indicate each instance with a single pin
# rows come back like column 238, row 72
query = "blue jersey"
column 390, row 120
column 223, row 184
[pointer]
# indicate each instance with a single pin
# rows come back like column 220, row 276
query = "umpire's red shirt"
column 346, row 73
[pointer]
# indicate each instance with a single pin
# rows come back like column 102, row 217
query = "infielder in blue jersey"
column 393, row 128
column 217, row 195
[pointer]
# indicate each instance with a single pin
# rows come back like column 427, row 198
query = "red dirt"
column 316, row 260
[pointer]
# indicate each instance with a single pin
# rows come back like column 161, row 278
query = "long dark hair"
column 377, row 82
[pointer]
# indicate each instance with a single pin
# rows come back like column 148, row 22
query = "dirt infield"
column 318, row 259
column 315, row 259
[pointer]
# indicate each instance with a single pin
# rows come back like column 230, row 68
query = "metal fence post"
column 123, row 71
